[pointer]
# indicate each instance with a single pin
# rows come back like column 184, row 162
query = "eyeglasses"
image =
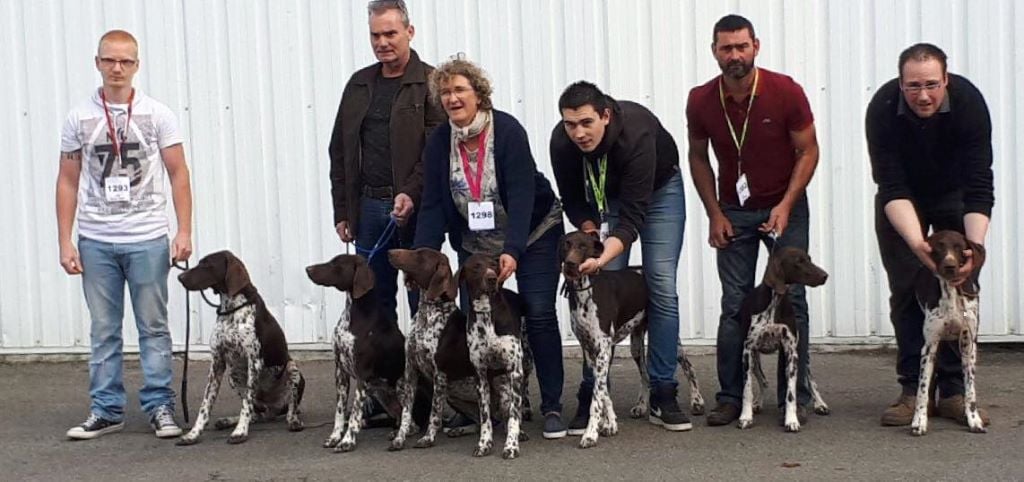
column 109, row 63
column 457, row 91
column 917, row 88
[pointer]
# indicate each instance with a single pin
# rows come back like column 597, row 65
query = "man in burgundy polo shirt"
column 762, row 130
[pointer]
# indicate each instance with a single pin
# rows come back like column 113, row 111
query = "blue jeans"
column 537, row 277
column 661, row 239
column 374, row 215
column 106, row 267
column 736, row 266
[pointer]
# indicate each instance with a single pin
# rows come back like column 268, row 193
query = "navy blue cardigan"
column 525, row 193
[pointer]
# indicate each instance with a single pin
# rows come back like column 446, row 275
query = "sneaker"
column 459, row 424
column 579, row 423
column 163, row 423
column 93, row 427
column 723, row 414
column 665, row 410
column 953, row 408
column 553, row 426
column 801, row 415
column 901, row 412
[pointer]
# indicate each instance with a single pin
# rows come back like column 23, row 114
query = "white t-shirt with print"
column 153, row 127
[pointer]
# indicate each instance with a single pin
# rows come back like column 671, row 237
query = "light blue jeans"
column 144, row 267
column 661, row 239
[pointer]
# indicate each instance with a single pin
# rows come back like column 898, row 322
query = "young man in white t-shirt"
column 115, row 150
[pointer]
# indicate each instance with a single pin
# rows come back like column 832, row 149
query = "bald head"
column 117, row 36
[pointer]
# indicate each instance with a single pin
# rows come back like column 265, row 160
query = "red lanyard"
column 110, row 122
column 475, row 179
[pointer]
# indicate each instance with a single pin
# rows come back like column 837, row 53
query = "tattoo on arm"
column 71, row 156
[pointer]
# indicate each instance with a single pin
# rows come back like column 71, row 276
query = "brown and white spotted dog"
column 369, row 349
column 495, row 348
column 249, row 344
column 951, row 314
column 769, row 321
column 606, row 308
column 436, row 347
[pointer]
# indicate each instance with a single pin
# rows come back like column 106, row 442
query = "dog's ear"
column 362, row 281
column 235, row 276
column 977, row 257
column 775, row 275
column 442, row 282
column 597, row 245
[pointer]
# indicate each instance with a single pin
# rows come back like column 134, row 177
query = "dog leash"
column 389, row 231
column 188, row 329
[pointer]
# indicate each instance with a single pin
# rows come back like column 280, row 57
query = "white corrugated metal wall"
column 256, row 86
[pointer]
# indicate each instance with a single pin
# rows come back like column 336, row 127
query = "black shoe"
column 93, row 427
column 579, row 423
column 723, row 414
column 801, row 415
column 554, row 428
column 459, row 424
column 665, row 410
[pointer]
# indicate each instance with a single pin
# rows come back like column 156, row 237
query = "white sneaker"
column 93, row 427
column 163, row 423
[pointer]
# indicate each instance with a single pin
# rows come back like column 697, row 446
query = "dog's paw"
column 744, row 424
column 527, row 415
column 424, row 443
column 822, row 409
column 638, row 411
column 510, row 453
column 918, row 431
column 295, row 426
column 756, row 407
column 697, row 409
column 588, row 441
column 345, row 446
column 793, row 427
column 225, row 423
column 395, row 446
column 332, row 441
column 608, row 430
column 186, row 440
column 978, row 429
column 523, row 437
column 238, row 438
column 483, row 450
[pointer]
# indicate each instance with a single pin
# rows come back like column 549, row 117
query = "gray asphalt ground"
column 39, row 401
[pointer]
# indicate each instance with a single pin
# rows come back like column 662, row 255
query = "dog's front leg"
column 696, row 399
column 820, row 407
column 209, row 396
column 919, row 426
column 789, row 343
column 637, row 351
column 406, row 392
column 597, row 410
column 341, row 384
column 514, row 418
column 436, row 408
column 762, row 385
column 355, row 419
column 747, row 412
column 968, row 358
column 296, row 385
column 483, row 388
column 241, row 432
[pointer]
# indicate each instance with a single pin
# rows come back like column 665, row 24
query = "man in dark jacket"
column 617, row 170
column 385, row 116
column 930, row 140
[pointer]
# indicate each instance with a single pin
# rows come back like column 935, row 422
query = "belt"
column 382, row 192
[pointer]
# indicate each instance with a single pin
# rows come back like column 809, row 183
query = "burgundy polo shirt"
column 780, row 107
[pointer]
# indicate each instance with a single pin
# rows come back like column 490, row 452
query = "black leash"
column 188, row 333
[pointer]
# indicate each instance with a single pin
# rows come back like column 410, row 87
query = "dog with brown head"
column 788, row 266
column 577, row 247
column 221, row 271
column 426, row 269
column 345, row 272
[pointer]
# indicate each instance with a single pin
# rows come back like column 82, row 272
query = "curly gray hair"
column 472, row 72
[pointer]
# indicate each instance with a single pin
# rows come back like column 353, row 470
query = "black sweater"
column 944, row 159
column 642, row 157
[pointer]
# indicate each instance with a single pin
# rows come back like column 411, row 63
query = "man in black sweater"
column 617, row 170
column 930, row 141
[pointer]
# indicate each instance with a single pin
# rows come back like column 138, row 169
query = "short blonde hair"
column 118, row 36
column 473, row 73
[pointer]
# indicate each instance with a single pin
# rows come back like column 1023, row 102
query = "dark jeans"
column 374, row 215
column 537, row 278
column 737, row 264
column 901, row 267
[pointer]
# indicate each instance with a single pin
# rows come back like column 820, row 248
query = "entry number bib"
column 742, row 189
column 606, row 231
column 118, row 189
column 481, row 216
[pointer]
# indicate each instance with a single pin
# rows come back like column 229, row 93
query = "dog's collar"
column 569, row 286
column 248, row 302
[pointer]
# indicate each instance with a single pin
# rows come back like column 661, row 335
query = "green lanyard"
column 598, row 188
column 742, row 139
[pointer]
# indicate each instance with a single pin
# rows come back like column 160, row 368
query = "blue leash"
column 389, row 231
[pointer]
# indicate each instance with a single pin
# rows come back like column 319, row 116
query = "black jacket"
column 642, row 157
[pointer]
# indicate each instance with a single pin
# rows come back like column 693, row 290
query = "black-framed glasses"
column 125, row 63
column 917, row 88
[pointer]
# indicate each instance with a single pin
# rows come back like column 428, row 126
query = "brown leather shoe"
column 953, row 408
column 901, row 412
column 723, row 414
